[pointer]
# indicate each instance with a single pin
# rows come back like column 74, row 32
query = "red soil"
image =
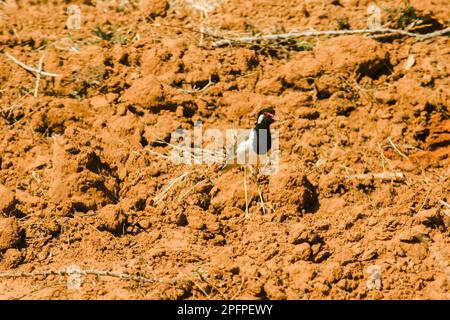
column 77, row 182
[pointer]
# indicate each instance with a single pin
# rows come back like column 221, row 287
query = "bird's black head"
column 266, row 117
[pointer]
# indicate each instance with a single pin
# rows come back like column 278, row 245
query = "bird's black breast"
column 263, row 141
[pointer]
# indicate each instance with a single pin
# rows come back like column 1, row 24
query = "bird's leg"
column 262, row 199
column 245, row 191
column 252, row 171
column 255, row 174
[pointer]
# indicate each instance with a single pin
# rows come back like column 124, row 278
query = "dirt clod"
column 111, row 218
column 10, row 233
column 302, row 252
column 88, row 176
column 12, row 258
column 7, row 202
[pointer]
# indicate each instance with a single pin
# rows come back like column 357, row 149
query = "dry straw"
column 37, row 72
column 98, row 273
column 314, row 33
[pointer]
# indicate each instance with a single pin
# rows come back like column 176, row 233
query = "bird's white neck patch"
column 260, row 118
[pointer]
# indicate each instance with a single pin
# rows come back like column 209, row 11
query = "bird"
column 250, row 147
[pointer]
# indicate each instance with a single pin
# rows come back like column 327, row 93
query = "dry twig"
column 99, row 273
column 200, row 288
column 158, row 198
column 239, row 289
column 425, row 200
column 446, row 211
column 38, row 75
column 396, row 149
column 291, row 35
column 201, row 277
column 30, row 69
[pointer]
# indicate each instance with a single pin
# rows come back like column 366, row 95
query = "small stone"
column 145, row 224
column 315, row 248
column 400, row 252
column 196, row 222
column 321, row 256
column 299, row 233
column 302, row 251
column 415, row 235
column 53, row 228
column 369, row 255
column 219, row 240
column 182, row 220
column 372, row 221
column 76, row 237
column 282, row 216
column 235, row 269
column 347, row 285
column 213, row 226
column 323, row 225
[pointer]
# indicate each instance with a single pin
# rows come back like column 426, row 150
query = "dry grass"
column 292, row 35
column 71, row 271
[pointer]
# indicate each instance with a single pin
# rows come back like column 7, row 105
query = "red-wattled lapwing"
column 259, row 140
column 251, row 148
